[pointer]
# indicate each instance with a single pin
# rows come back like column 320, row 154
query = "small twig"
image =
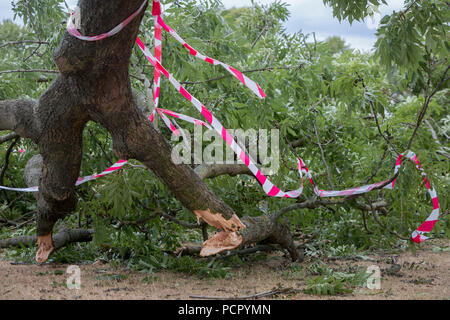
column 36, row 31
column 428, row 96
column 404, row 12
column 245, row 71
column 260, row 35
column 252, row 296
column 433, row 133
column 204, row 230
column 22, row 42
column 314, row 202
column 20, row 225
column 2, row 213
column 169, row 217
column 440, row 129
column 5, row 166
column 378, row 166
column 375, row 216
column 363, row 213
column 283, row 159
column 181, row 222
column 30, row 70
column 324, row 161
column 101, row 147
column 361, row 79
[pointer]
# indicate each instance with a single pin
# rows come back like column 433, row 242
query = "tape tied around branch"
column 213, row 123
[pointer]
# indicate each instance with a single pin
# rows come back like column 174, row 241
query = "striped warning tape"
column 269, row 188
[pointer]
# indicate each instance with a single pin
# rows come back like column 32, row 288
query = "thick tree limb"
column 61, row 239
column 214, row 170
column 93, row 84
column 9, row 136
column 17, row 115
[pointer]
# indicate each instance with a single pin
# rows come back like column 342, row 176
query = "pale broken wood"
column 228, row 239
column 217, row 221
column 252, row 296
column 219, row 242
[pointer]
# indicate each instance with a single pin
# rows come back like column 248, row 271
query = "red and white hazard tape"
column 164, row 112
column 72, row 29
column 156, row 12
column 116, row 166
column 269, row 188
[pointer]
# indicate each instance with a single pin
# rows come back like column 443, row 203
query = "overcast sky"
column 306, row 15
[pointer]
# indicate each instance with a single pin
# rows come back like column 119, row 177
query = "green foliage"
column 307, row 82
column 409, row 38
column 331, row 282
column 353, row 10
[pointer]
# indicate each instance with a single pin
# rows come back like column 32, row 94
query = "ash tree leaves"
column 307, row 82
column 353, row 10
column 406, row 39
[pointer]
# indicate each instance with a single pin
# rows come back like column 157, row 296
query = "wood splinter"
column 45, row 248
column 227, row 239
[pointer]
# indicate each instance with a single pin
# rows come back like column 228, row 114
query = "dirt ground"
column 424, row 275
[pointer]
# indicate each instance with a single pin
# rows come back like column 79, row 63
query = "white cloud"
column 313, row 16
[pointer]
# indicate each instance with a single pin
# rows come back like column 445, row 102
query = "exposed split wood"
column 45, row 248
column 227, row 239
column 220, row 242
column 217, row 221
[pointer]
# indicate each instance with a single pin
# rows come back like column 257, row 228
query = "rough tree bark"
column 93, row 85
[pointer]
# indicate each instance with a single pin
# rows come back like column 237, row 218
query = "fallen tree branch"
column 8, row 137
column 61, row 239
column 214, row 170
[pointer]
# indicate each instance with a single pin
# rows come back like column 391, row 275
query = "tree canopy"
column 347, row 113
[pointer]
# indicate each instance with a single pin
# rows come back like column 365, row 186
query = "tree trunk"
column 93, row 85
